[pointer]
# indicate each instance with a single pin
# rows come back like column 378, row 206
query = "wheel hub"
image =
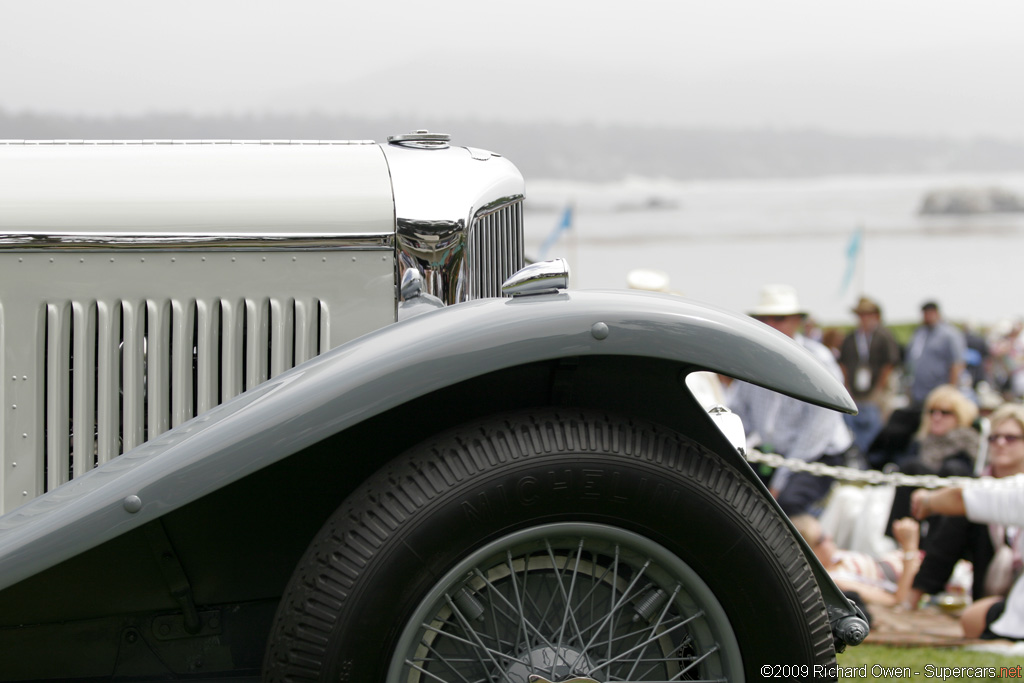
column 561, row 666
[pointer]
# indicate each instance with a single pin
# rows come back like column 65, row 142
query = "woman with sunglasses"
column 946, row 443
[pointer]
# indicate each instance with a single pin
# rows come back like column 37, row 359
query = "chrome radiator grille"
column 120, row 372
column 494, row 250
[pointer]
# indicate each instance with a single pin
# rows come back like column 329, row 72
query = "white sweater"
column 1002, row 502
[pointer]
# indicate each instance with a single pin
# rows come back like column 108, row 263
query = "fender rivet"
column 133, row 503
column 599, row 330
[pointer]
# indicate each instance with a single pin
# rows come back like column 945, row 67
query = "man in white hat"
column 788, row 426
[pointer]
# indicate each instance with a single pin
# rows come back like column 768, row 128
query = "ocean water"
column 720, row 241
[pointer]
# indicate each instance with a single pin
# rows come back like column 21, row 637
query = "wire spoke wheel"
column 565, row 601
column 551, row 546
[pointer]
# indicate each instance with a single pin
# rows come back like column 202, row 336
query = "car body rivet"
column 133, row 503
column 599, row 330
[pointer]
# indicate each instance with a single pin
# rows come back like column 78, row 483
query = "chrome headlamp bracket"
column 542, row 277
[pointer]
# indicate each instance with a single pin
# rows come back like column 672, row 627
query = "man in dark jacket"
column 867, row 356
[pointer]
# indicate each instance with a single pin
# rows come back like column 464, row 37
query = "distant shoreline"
column 588, row 152
column 727, row 238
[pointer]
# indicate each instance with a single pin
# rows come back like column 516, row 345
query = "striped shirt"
column 882, row 573
column 788, row 426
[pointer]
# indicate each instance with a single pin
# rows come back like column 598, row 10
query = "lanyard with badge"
column 862, row 377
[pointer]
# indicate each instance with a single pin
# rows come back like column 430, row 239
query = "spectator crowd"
column 948, row 402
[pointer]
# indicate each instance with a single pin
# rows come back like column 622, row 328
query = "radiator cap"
column 421, row 139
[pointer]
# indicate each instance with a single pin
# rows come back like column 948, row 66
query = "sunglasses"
column 1005, row 438
column 939, row 411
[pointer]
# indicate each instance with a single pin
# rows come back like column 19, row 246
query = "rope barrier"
column 874, row 477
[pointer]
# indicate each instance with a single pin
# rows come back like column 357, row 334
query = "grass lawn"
column 884, row 663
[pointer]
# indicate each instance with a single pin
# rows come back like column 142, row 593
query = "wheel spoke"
column 615, row 584
column 518, row 608
column 524, row 631
column 492, row 657
column 567, row 596
column 614, row 610
column 473, row 646
column 694, row 663
column 418, row 668
column 654, row 627
column 624, row 655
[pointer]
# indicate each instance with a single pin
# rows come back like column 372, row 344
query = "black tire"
column 462, row 556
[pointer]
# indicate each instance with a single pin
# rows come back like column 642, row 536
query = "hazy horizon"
column 871, row 68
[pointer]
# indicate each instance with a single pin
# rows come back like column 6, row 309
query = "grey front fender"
column 379, row 371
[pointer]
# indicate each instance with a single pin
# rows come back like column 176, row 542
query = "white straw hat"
column 647, row 279
column 778, row 300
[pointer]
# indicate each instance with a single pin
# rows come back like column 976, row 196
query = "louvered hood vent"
column 121, row 372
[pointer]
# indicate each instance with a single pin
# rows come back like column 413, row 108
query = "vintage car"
column 300, row 411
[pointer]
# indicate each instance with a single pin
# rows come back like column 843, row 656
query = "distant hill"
column 579, row 152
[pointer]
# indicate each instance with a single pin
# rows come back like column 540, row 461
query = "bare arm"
column 908, row 533
column 911, row 598
column 883, row 377
column 991, row 501
column 925, row 503
column 906, row 594
column 955, row 371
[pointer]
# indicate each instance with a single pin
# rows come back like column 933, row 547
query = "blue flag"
column 562, row 226
column 852, row 254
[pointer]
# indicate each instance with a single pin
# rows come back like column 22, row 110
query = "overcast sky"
column 871, row 66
